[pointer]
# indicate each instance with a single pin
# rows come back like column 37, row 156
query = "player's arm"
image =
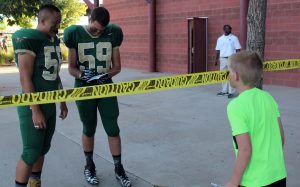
column 63, row 105
column 116, row 63
column 218, row 48
column 26, row 67
column 281, row 131
column 69, row 34
column 217, row 57
column 237, row 45
column 116, row 58
column 242, row 160
column 73, row 70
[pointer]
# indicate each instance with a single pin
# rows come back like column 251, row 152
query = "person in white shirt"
column 227, row 44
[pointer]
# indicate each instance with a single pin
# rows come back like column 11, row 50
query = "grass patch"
column 64, row 52
column 7, row 58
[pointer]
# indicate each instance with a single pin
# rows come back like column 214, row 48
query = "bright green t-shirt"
column 256, row 112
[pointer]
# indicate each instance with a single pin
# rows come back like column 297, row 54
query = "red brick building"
column 282, row 32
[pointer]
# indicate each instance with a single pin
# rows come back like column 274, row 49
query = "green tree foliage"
column 16, row 11
column 3, row 25
column 72, row 10
column 22, row 12
column 25, row 22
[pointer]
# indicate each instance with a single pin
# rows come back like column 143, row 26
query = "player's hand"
column 63, row 110
column 87, row 74
column 103, row 79
column 38, row 119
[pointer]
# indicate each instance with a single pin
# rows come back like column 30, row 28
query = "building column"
column 244, row 4
column 152, row 34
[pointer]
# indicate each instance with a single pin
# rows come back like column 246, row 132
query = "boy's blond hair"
column 248, row 65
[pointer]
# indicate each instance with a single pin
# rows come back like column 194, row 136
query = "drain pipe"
column 89, row 4
column 244, row 4
column 152, row 34
column 96, row 3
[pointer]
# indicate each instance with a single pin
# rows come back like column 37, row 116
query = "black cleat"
column 90, row 174
column 122, row 177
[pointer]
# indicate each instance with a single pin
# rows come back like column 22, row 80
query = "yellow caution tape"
column 133, row 87
column 276, row 65
column 115, row 89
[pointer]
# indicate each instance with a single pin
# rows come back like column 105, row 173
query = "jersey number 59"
column 103, row 54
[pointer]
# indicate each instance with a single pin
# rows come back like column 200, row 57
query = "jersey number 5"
column 51, row 62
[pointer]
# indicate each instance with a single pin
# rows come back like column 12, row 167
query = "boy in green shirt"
column 257, row 130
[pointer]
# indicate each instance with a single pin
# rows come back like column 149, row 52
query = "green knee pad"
column 111, row 126
column 30, row 156
column 89, row 130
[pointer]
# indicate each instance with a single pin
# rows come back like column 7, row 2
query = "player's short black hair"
column 49, row 7
column 101, row 15
column 227, row 26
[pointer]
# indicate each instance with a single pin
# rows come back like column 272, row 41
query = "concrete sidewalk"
column 177, row 138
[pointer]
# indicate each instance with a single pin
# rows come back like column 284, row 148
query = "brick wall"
column 132, row 16
column 282, row 36
column 283, row 39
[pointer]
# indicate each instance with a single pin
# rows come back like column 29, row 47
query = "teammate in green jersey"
column 257, row 130
column 94, row 50
column 38, row 58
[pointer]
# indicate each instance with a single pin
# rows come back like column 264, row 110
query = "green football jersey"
column 47, row 55
column 93, row 52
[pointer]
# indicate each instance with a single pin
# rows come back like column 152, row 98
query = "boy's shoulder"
column 250, row 97
column 234, row 104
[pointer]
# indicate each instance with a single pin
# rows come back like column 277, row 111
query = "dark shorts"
column 280, row 183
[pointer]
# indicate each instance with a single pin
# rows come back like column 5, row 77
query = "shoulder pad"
column 30, row 34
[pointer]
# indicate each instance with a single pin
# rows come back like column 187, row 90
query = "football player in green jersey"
column 94, row 50
column 38, row 58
